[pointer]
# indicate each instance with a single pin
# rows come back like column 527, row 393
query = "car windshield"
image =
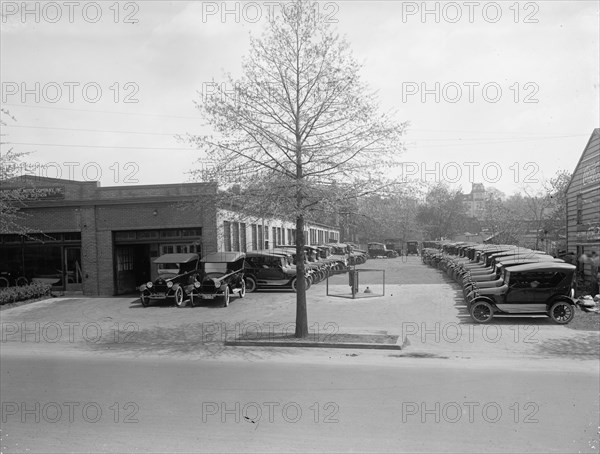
column 218, row 267
column 168, row 268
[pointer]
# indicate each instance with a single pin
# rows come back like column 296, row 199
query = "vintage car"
column 221, row 275
column 176, row 276
column 270, row 270
column 544, row 288
column 496, row 279
column 412, row 247
column 379, row 250
column 342, row 254
column 310, row 269
column 357, row 255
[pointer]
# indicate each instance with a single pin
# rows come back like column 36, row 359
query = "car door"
column 528, row 292
column 273, row 270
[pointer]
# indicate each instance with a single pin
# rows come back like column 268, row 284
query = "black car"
column 544, row 288
column 176, row 276
column 379, row 250
column 274, row 270
column 412, row 247
column 221, row 275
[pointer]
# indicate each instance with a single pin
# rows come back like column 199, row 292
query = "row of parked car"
column 187, row 279
column 507, row 280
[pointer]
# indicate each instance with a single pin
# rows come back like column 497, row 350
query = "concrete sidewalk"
column 427, row 319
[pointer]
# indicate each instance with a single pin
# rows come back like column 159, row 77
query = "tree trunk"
column 301, row 315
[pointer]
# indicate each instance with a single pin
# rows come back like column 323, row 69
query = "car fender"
column 477, row 299
column 557, row 298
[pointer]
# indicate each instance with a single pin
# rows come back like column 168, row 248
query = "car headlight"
column 149, row 285
column 197, row 284
column 169, row 284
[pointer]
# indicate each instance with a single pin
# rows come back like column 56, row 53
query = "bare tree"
column 299, row 132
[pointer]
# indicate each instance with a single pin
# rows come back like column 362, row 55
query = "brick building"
column 102, row 240
column 475, row 201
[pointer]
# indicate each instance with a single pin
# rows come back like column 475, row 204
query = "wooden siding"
column 585, row 183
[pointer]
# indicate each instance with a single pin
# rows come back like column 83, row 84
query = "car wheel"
column 295, row 284
column 226, row 297
column 144, row 300
column 562, row 312
column 481, row 311
column 180, row 297
column 250, row 284
column 4, row 282
column 21, row 281
column 243, row 290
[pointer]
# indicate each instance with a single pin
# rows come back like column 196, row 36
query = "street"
column 163, row 391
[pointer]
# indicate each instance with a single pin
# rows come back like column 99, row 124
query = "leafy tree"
column 299, row 131
column 443, row 213
column 504, row 223
column 538, row 214
column 11, row 198
column 378, row 218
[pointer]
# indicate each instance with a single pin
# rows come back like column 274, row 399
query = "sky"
column 501, row 93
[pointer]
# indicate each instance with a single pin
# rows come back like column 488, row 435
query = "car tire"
column 226, row 296
column 294, row 284
column 4, row 282
column 242, row 291
column 22, row 281
column 562, row 312
column 180, row 297
column 144, row 300
column 481, row 311
column 250, row 284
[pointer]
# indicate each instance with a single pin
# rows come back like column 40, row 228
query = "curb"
column 371, row 346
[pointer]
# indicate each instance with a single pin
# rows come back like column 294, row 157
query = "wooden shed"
column 583, row 202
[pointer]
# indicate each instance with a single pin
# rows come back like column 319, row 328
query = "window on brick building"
column 259, row 244
column 235, row 236
column 254, row 244
column 243, row 246
column 227, row 235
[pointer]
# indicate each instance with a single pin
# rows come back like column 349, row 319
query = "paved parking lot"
column 421, row 306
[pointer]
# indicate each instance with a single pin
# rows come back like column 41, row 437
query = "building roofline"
column 596, row 131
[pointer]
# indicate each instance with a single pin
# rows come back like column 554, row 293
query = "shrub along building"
column 102, row 240
column 583, row 202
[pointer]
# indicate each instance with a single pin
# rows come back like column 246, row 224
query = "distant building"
column 583, row 201
column 475, row 201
